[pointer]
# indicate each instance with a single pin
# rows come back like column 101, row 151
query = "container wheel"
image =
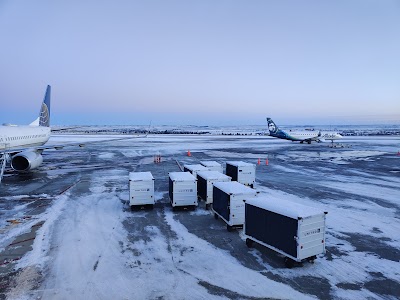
column 133, row 208
column 207, row 206
column 193, row 207
column 249, row 243
column 215, row 216
column 151, row 206
column 229, row 228
column 289, row 263
column 174, row 208
column 311, row 259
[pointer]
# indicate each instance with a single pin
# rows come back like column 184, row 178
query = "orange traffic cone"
column 266, row 162
column 188, row 153
column 259, row 161
column 398, row 153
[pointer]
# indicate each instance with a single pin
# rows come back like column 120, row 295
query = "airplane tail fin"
column 272, row 126
column 44, row 115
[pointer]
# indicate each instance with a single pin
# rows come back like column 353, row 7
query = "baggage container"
column 241, row 172
column 141, row 189
column 205, row 181
column 228, row 202
column 292, row 229
column 193, row 169
column 212, row 165
column 182, row 189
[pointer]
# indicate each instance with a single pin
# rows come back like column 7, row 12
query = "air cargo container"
column 141, row 189
column 294, row 230
column 212, row 165
column 182, row 189
column 205, row 181
column 228, row 202
column 194, row 169
column 241, row 172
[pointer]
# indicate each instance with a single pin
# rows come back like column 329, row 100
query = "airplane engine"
column 26, row 161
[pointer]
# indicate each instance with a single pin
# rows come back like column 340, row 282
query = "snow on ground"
column 82, row 246
column 10, row 230
column 354, row 266
column 364, row 189
column 221, row 268
column 83, row 243
column 86, row 250
column 38, row 254
column 339, row 157
column 106, row 155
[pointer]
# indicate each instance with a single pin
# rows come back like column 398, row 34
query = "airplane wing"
column 5, row 155
column 61, row 146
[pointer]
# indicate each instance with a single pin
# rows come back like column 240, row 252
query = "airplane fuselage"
column 329, row 135
column 301, row 135
column 23, row 136
column 297, row 136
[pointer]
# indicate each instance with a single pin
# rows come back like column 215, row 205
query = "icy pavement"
column 91, row 246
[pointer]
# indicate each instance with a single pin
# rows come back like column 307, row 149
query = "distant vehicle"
column 22, row 146
column 307, row 136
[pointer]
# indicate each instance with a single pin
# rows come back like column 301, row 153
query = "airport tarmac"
column 67, row 231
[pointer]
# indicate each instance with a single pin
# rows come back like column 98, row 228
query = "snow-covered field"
column 91, row 246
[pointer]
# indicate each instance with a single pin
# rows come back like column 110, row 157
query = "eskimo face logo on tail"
column 44, row 116
column 272, row 127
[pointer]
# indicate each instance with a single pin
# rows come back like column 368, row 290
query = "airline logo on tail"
column 44, row 117
column 275, row 131
column 271, row 126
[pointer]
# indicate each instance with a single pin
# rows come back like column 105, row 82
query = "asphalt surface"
column 297, row 169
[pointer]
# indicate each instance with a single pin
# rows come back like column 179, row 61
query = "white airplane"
column 22, row 146
column 307, row 136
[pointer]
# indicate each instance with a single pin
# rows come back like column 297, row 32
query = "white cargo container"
column 182, row 189
column 141, row 189
column 212, row 165
column 228, row 202
column 205, row 181
column 193, row 169
column 292, row 229
column 241, row 172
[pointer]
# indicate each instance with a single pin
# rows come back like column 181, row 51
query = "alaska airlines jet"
column 301, row 136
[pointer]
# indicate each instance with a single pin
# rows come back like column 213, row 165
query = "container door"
column 271, row 228
column 232, row 171
column 221, row 203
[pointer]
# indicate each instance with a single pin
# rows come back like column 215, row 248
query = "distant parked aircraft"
column 301, row 136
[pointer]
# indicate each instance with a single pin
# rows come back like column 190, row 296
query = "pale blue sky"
column 201, row 62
